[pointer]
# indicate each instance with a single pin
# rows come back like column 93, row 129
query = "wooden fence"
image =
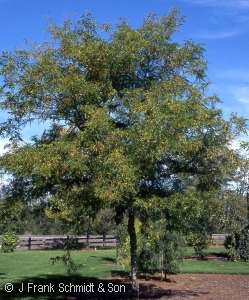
column 219, row 238
column 95, row 241
column 59, row 242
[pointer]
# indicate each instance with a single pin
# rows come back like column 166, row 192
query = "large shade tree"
column 130, row 125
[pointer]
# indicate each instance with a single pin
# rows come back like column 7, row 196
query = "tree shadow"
column 156, row 278
column 119, row 273
column 104, row 247
column 222, row 254
column 108, row 259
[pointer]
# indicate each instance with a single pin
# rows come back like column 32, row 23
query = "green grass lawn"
column 23, row 267
column 100, row 263
column 33, row 266
column 210, row 267
column 213, row 267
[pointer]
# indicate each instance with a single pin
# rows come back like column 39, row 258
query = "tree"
column 131, row 127
column 104, row 222
column 159, row 250
column 234, row 216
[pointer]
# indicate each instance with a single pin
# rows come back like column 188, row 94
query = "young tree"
column 131, row 127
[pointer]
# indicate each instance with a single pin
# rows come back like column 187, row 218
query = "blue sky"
column 221, row 25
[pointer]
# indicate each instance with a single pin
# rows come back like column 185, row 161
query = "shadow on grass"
column 156, row 278
column 221, row 254
column 118, row 273
column 109, row 259
column 104, row 247
column 77, row 287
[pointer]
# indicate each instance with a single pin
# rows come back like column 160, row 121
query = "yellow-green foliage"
column 200, row 242
column 124, row 256
column 237, row 244
column 158, row 250
column 9, row 241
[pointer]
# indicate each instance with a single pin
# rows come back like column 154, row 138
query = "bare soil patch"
column 183, row 286
column 207, row 258
column 199, row 286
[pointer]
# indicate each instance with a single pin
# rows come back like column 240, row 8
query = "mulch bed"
column 183, row 286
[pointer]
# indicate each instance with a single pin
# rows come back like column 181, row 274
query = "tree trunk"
column 117, row 245
column 162, row 267
column 133, row 249
column 88, row 236
column 247, row 200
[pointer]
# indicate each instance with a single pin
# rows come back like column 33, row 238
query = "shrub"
column 66, row 258
column 162, row 253
column 71, row 243
column 199, row 241
column 158, row 249
column 237, row 244
column 9, row 241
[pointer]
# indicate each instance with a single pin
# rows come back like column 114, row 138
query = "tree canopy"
column 130, row 124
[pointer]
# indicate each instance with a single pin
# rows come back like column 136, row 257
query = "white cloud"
column 234, row 74
column 235, row 145
column 227, row 17
column 234, row 96
column 241, row 93
column 216, row 35
column 3, row 142
column 235, row 4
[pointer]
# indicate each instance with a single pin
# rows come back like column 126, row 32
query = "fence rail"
column 219, row 238
column 58, row 242
column 95, row 241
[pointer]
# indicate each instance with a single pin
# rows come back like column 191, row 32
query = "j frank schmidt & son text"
column 71, row 288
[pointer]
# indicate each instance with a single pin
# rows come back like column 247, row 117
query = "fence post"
column 87, row 240
column 88, row 236
column 117, row 245
column 29, row 244
column 104, row 240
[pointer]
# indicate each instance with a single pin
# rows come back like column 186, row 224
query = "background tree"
column 131, row 127
column 104, row 222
